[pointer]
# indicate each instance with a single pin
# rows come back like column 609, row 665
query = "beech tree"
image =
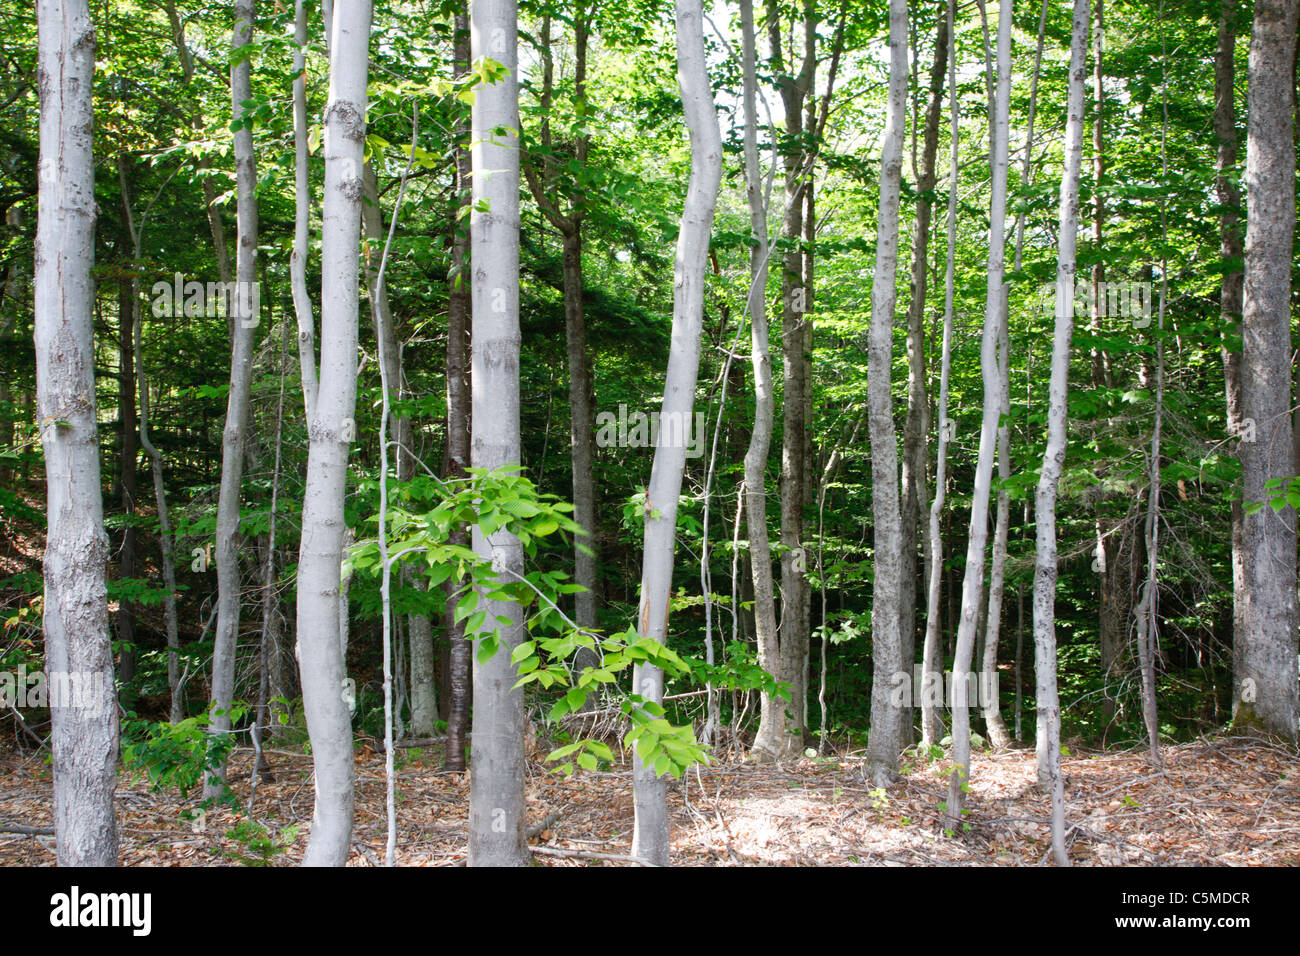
column 650, row 840
column 333, row 429
column 1045, row 561
column 496, row 809
column 994, row 319
column 77, row 644
column 244, row 322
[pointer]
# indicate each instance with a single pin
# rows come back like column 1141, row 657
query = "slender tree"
column 459, row 681
column 242, row 305
column 994, row 319
column 887, row 713
column 932, row 653
column 773, row 740
column 1230, row 290
column 916, row 425
column 547, row 187
column 650, row 840
column 1049, row 477
column 332, row 432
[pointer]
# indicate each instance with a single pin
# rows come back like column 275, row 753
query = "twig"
column 589, row 855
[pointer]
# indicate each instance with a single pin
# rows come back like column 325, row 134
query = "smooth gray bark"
column 496, row 809
column 244, row 330
column 1045, row 561
column 994, row 321
column 84, row 734
column 302, row 218
column 331, row 432
column 650, row 840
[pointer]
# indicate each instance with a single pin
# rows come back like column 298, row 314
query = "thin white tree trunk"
column 302, row 217
column 995, row 302
column 332, row 431
column 887, row 714
column 650, row 841
column 242, row 306
column 993, row 722
column 1045, row 562
column 496, row 808
column 932, row 654
column 84, row 731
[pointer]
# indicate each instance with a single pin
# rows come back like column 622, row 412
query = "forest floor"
column 1230, row 801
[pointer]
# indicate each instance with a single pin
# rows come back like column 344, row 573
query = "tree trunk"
column 332, row 431
column 243, row 306
column 424, row 708
column 84, row 732
column 1231, row 251
column 775, row 739
column 496, row 811
column 887, row 715
column 126, row 484
column 1045, row 561
column 1265, row 688
column 459, row 679
column 302, row 218
column 650, row 841
column 932, row 654
column 994, row 319
column 916, row 426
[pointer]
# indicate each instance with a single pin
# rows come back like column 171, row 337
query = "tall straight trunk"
column 424, row 709
column 994, row 724
column 1231, row 251
column 1146, row 611
column 126, row 482
column 581, row 377
column 77, row 644
column 932, row 654
column 887, row 714
column 916, row 425
column 650, row 840
column 332, row 432
column 774, row 740
column 496, row 809
column 1100, row 361
column 302, row 217
column 994, row 320
column 241, row 368
column 165, row 541
column 459, row 680
column 582, row 432
column 155, row 459
column 545, row 185
column 793, row 634
column 1045, row 561
column 269, row 643
column 1265, row 688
